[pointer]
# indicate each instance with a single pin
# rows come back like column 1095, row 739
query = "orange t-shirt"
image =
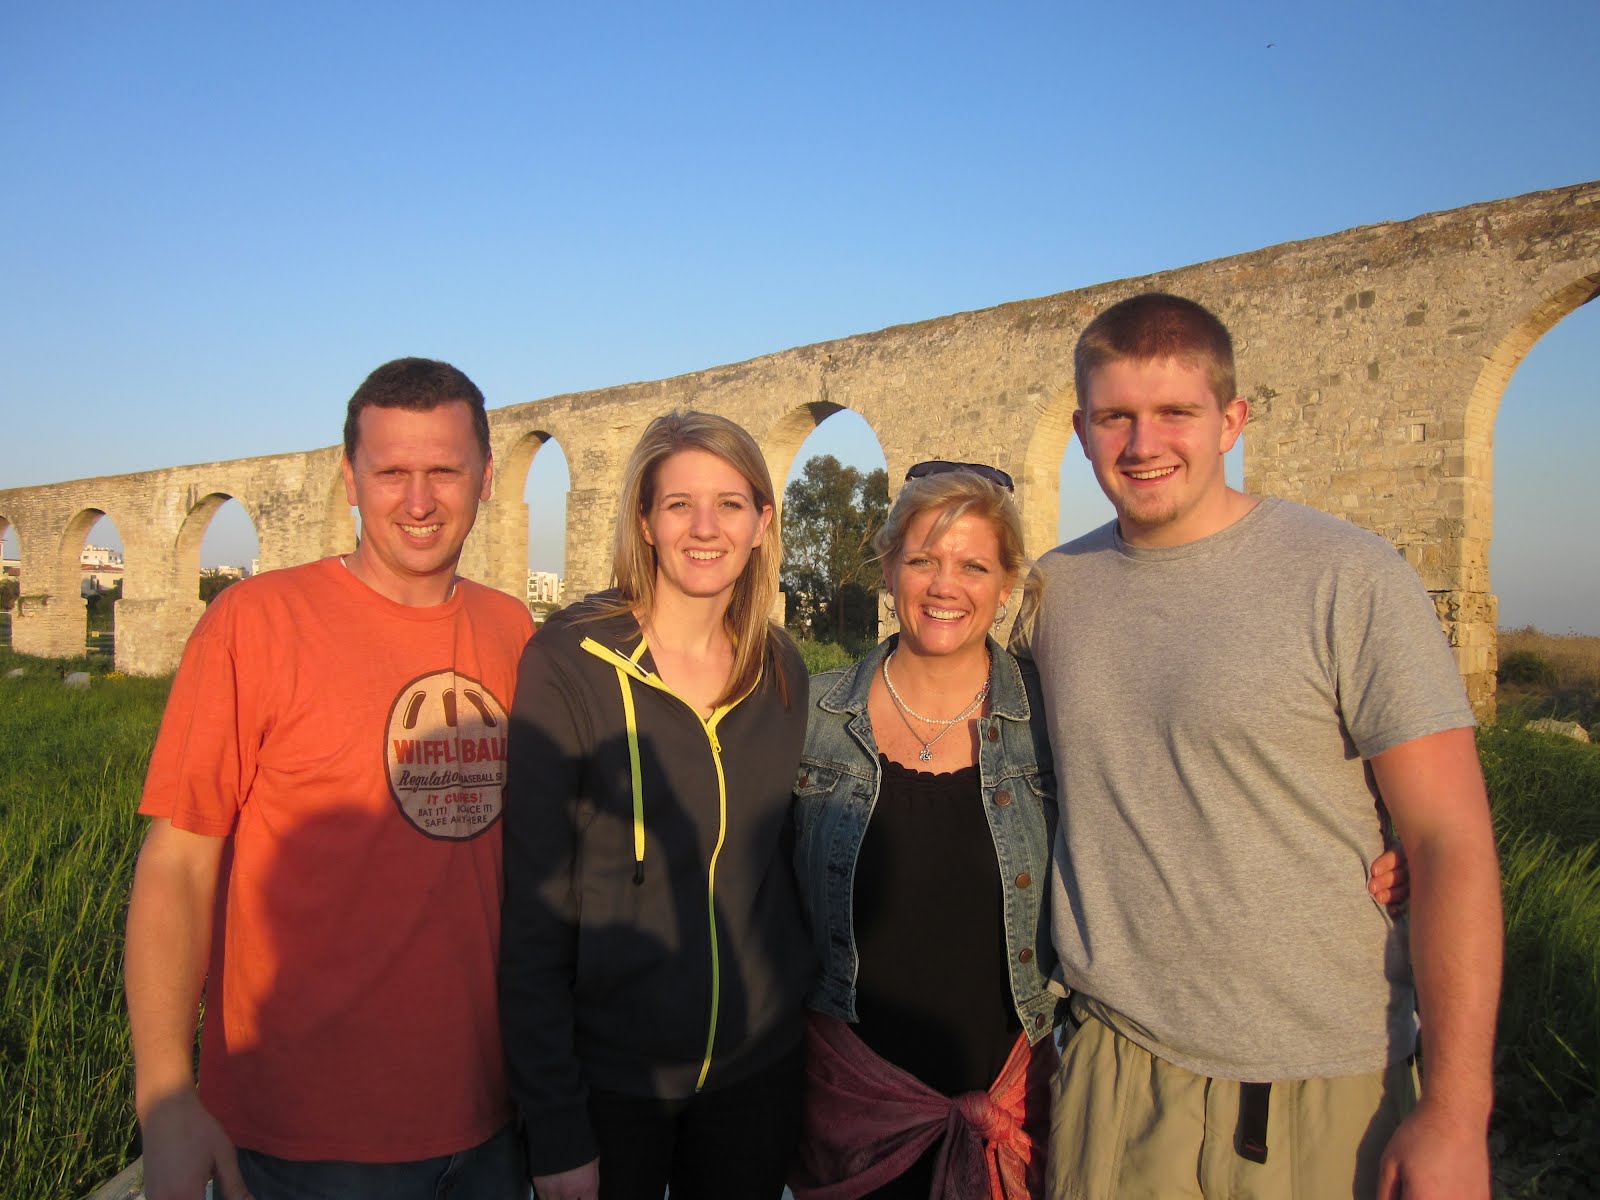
column 352, row 750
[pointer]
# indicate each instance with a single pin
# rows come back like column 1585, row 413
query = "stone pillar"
column 151, row 633
column 496, row 554
column 1470, row 621
column 49, row 624
column 590, row 512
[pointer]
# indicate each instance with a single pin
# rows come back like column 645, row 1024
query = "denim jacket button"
column 994, row 733
column 1024, row 880
column 1026, row 955
column 805, row 778
column 1038, row 1021
column 1002, row 797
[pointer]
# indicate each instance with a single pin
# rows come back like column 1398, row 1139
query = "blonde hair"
column 633, row 559
column 957, row 494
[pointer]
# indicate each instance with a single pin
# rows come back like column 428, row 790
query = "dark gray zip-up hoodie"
column 653, row 965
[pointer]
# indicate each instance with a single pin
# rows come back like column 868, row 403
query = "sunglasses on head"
column 938, row 466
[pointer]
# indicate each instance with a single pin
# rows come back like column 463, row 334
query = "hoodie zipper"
column 628, row 669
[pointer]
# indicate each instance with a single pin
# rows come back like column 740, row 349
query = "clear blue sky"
column 219, row 217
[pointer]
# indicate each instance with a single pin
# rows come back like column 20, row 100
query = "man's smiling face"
column 417, row 478
column 1155, row 435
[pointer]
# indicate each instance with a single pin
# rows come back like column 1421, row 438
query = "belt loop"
column 1250, row 1138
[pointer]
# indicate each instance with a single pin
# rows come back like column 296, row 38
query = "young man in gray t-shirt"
column 1241, row 694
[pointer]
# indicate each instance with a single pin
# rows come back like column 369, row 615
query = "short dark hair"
column 1155, row 326
column 420, row 385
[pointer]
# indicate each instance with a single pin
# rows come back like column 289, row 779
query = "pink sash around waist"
column 866, row 1121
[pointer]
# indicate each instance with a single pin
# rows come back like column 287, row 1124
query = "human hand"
column 1435, row 1156
column 1389, row 882
column 580, row 1183
column 184, row 1147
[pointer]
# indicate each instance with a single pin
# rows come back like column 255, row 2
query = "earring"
column 999, row 617
column 893, row 616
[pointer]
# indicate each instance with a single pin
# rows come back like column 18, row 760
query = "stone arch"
column 511, row 472
column 781, row 448
column 1482, row 408
column 781, row 444
column 1483, row 404
column 73, row 536
column 512, row 469
column 783, row 440
column 516, row 518
column 192, row 533
column 69, row 557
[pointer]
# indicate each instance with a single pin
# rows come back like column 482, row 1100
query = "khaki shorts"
column 1125, row 1125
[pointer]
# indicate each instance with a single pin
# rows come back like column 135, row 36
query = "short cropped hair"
column 954, row 494
column 418, row 385
column 1156, row 326
column 633, row 559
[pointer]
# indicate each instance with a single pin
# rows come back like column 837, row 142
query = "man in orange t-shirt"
column 323, row 862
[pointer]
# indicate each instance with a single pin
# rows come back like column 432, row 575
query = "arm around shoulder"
column 169, row 941
column 1433, row 788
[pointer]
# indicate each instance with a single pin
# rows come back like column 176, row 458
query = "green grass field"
column 72, row 762
column 1546, row 793
column 70, row 771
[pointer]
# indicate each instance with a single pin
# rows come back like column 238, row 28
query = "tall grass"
column 1550, row 675
column 1546, row 793
column 1575, row 657
column 71, row 768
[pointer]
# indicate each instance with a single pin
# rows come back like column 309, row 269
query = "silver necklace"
column 907, row 712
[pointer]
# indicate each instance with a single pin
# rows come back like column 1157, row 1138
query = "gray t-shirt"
column 1210, row 707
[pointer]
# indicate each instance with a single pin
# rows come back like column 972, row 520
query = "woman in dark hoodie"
column 654, row 962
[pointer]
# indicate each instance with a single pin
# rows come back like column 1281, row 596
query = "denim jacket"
column 837, row 786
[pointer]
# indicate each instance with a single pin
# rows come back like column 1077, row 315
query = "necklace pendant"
column 926, row 754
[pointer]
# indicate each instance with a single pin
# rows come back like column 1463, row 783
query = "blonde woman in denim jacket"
column 925, row 809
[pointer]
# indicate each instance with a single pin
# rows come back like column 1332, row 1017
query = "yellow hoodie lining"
column 628, row 669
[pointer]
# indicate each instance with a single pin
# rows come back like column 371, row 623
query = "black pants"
column 735, row 1143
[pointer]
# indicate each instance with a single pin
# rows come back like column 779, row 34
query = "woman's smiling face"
column 947, row 591
column 703, row 522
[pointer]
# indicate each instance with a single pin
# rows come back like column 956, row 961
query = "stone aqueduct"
column 1374, row 359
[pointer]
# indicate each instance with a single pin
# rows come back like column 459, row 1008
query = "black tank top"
column 932, row 992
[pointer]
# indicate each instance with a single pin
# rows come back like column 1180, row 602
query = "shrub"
column 824, row 656
column 1524, row 667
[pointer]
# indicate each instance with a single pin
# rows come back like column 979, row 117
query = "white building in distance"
column 101, row 567
column 545, row 587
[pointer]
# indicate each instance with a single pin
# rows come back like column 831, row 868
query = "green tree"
column 829, row 516
column 211, row 584
column 9, row 589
